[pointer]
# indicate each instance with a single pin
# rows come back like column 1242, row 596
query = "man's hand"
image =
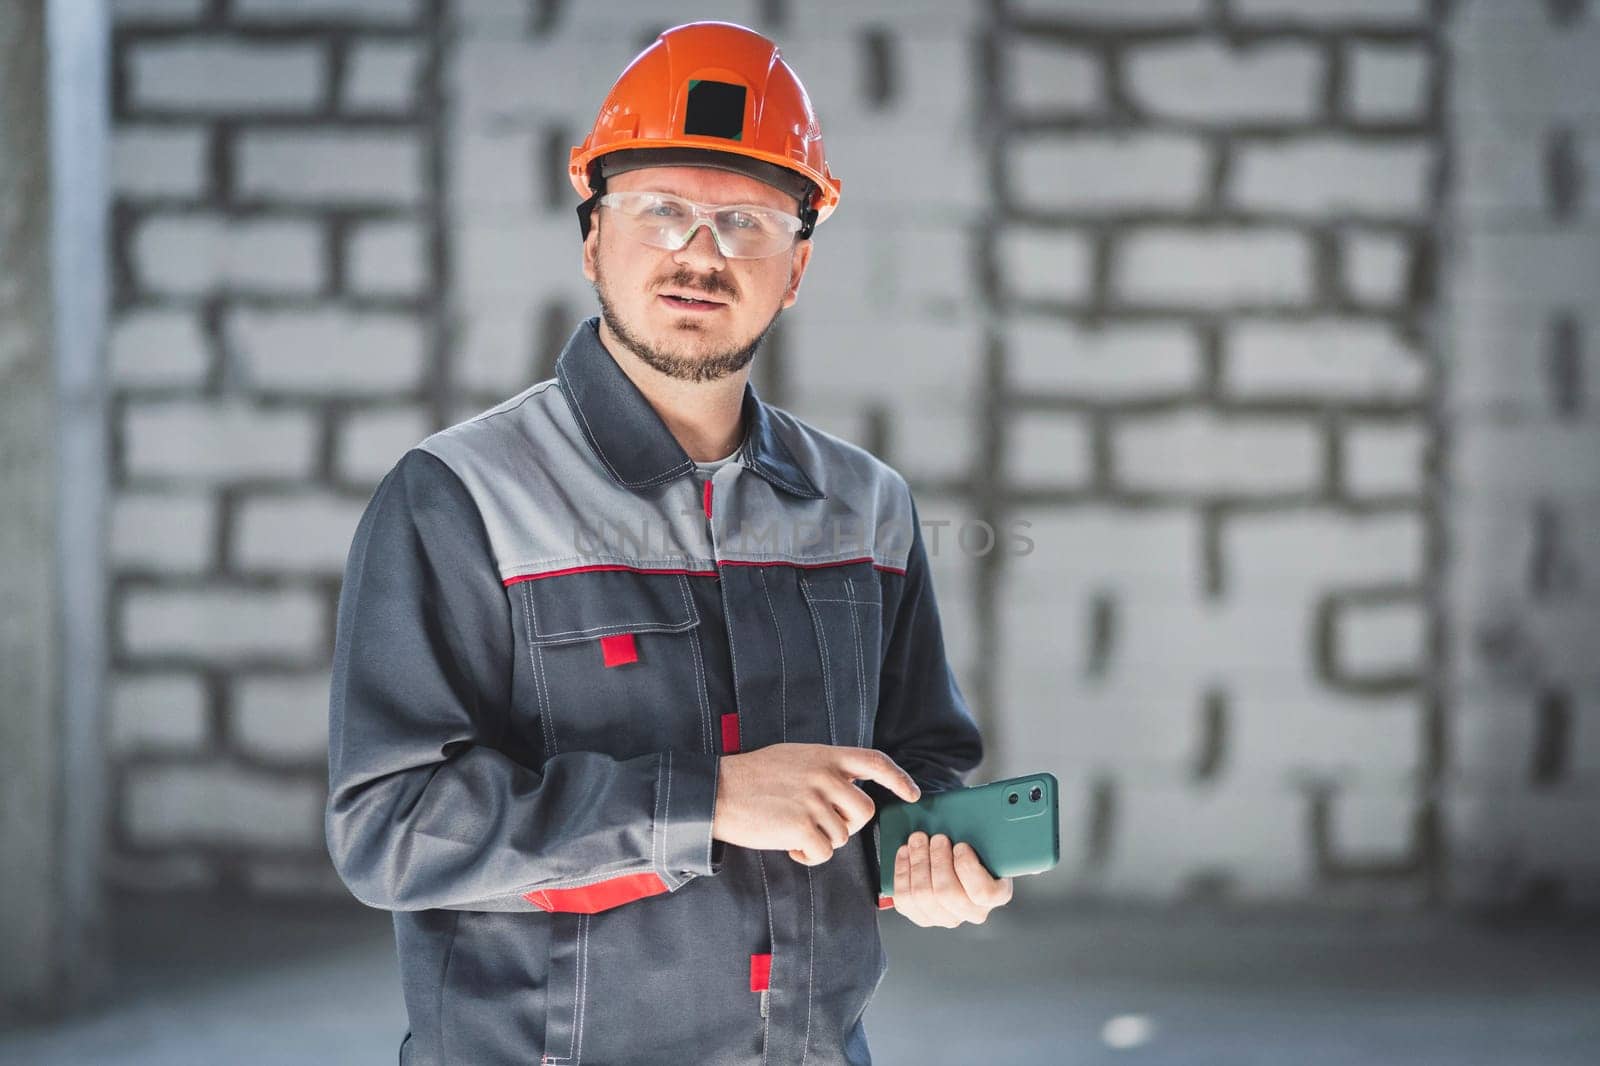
column 801, row 797
column 935, row 884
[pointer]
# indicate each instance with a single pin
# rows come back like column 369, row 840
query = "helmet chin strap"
column 586, row 209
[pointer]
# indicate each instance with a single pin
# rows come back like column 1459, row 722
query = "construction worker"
column 613, row 655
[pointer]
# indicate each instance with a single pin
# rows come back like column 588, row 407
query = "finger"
column 816, row 847
column 922, row 886
column 948, row 890
column 981, row 887
column 905, row 899
column 873, row 765
column 830, row 823
column 854, row 805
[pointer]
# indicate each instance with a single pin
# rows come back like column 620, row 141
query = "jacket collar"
column 634, row 445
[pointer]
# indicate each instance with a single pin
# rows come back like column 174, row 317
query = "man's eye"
column 660, row 210
column 747, row 221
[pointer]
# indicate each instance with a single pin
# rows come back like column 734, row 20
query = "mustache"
column 713, row 286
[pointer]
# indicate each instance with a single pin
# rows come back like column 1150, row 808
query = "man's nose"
column 701, row 247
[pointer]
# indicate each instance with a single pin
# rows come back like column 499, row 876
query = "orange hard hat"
column 709, row 94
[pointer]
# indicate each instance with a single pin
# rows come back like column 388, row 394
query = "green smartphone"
column 1014, row 825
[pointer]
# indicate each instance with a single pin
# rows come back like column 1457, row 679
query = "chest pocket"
column 846, row 607
column 617, row 662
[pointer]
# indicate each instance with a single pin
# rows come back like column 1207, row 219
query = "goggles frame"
column 700, row 214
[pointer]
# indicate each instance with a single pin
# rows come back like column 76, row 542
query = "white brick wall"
column 1196, row 251
column 158, row 347
column 200, row 76
column 332, row 167
column 282, row 718
column 163, row 712
column 158, row 161
column 1150, row 171
column 1114, row 361
column 388, row 259
column 276, row 344
column 1323, row 175
column 382, row 76
column 328, row 351
column 166, row 531
column 224, row 624
column 1387, row 83
column 1322, row 357
column 216, row 442
column 1213, row 268
column 223, row 805
column 1209, row 83
column 1045, row 264
column 1195, row 453
column 192, row 255
column 303, row 533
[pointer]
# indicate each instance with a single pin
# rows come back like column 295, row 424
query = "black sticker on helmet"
column 716, row 109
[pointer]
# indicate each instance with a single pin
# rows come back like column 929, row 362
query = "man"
column 612, row 655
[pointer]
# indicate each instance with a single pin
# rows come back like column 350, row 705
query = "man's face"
column 632, row 278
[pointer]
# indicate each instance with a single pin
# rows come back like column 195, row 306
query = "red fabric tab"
column 619, row 649
column 708, row 498
column 760, row 972
column 730, row 733
column 885, row 902
column 600, row 896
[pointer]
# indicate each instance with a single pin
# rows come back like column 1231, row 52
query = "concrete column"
column 52, row 472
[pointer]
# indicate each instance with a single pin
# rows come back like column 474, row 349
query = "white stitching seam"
column 620, row 627
column 699, row 668
column 805, row 1045
column 783, row 674
column 822, row 647
column 540, row 692
column 656, row 846
column 583, row 986
column 771, row 947
column 594, row 442
column 861, row 674
column 666, row 827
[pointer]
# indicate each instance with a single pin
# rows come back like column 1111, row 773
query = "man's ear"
column 799, row 257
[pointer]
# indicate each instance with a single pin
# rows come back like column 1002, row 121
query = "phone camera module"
column 1035, row 793
column 1012, row 798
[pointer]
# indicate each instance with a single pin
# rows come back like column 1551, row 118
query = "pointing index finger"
column 874, row 765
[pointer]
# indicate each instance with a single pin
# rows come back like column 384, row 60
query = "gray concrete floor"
column 202, row 981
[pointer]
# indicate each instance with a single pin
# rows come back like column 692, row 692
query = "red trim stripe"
column 760, row 972
column 730, row 734
column 812, row 566
column 606, row 566
column 707, row 500
column 600, row 896
column 508, row 582
column 885, row 902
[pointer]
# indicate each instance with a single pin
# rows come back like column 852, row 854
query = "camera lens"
column 1011, row 798
column 1035, row 792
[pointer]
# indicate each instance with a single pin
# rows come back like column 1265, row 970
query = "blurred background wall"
column 1274, row 319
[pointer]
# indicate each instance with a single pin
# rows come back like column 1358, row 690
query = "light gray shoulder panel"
column 549, row 504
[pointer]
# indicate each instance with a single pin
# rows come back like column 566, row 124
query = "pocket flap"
column 589, row 604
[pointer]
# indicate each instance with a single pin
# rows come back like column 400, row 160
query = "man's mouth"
column 692, row 301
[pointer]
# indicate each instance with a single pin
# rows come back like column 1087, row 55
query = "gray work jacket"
column 550, row 630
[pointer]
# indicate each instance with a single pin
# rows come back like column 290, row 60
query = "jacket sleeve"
column 923, row 721
column 426, row 808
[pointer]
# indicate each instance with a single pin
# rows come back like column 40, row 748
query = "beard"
column 707, row 367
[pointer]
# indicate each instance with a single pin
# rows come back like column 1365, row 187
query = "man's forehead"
column 707, row 184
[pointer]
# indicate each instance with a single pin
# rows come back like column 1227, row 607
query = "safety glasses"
column 742, row 231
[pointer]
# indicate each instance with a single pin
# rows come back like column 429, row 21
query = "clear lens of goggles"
column 742, row 231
